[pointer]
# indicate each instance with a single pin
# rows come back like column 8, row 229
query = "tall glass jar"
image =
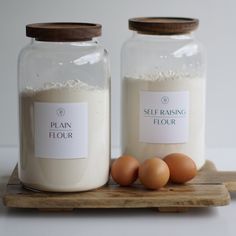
column 163, row 77
column 64, row 111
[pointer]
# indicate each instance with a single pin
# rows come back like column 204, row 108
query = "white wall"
column 217, row 31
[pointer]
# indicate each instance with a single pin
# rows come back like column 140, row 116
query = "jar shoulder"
column 151, row 55
column 57, row 63
column 172, row 46
column 83, row 53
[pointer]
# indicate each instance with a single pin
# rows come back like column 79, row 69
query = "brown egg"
column 182, row 168
column 124, row 170
column 154, row 173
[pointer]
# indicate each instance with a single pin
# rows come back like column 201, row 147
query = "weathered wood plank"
column 209, row 188
column 120, row 197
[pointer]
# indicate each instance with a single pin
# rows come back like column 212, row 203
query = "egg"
column 154, row 173
column 124, row 170
column 182, row 168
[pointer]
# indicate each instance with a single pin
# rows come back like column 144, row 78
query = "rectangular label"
column 164, row 117
column 61, row 130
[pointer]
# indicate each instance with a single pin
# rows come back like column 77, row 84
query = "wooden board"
column 209, row 188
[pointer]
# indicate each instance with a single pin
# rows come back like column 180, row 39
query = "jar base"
column 39, row 188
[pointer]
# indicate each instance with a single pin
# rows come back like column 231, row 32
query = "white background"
column 217, row 31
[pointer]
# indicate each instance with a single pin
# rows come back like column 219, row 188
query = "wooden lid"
column 163, row 25
column 63, row 31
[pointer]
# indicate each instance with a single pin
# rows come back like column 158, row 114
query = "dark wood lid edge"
column 63, row 31
column 163, row 25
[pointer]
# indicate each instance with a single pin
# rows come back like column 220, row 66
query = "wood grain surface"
column 209, row 188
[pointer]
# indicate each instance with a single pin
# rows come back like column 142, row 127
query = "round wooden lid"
column 63, row 31
column 163, row 25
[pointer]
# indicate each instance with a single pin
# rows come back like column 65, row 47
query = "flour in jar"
column 64, row 129
column 164, row 113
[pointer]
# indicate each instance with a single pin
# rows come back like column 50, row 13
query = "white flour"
column 66, row 174
column 195, row 145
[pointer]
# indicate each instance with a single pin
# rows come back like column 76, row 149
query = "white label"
column 61, row 130
column 164, row 117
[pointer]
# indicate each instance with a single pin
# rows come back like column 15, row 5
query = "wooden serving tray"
column 209, row 188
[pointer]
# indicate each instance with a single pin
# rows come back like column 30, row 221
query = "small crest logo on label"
column 164, row 99
column 60, row 112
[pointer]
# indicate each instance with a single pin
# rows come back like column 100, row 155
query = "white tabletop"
column 210, row 221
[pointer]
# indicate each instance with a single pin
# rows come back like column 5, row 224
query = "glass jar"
column 64, row 114
column 163, row 89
